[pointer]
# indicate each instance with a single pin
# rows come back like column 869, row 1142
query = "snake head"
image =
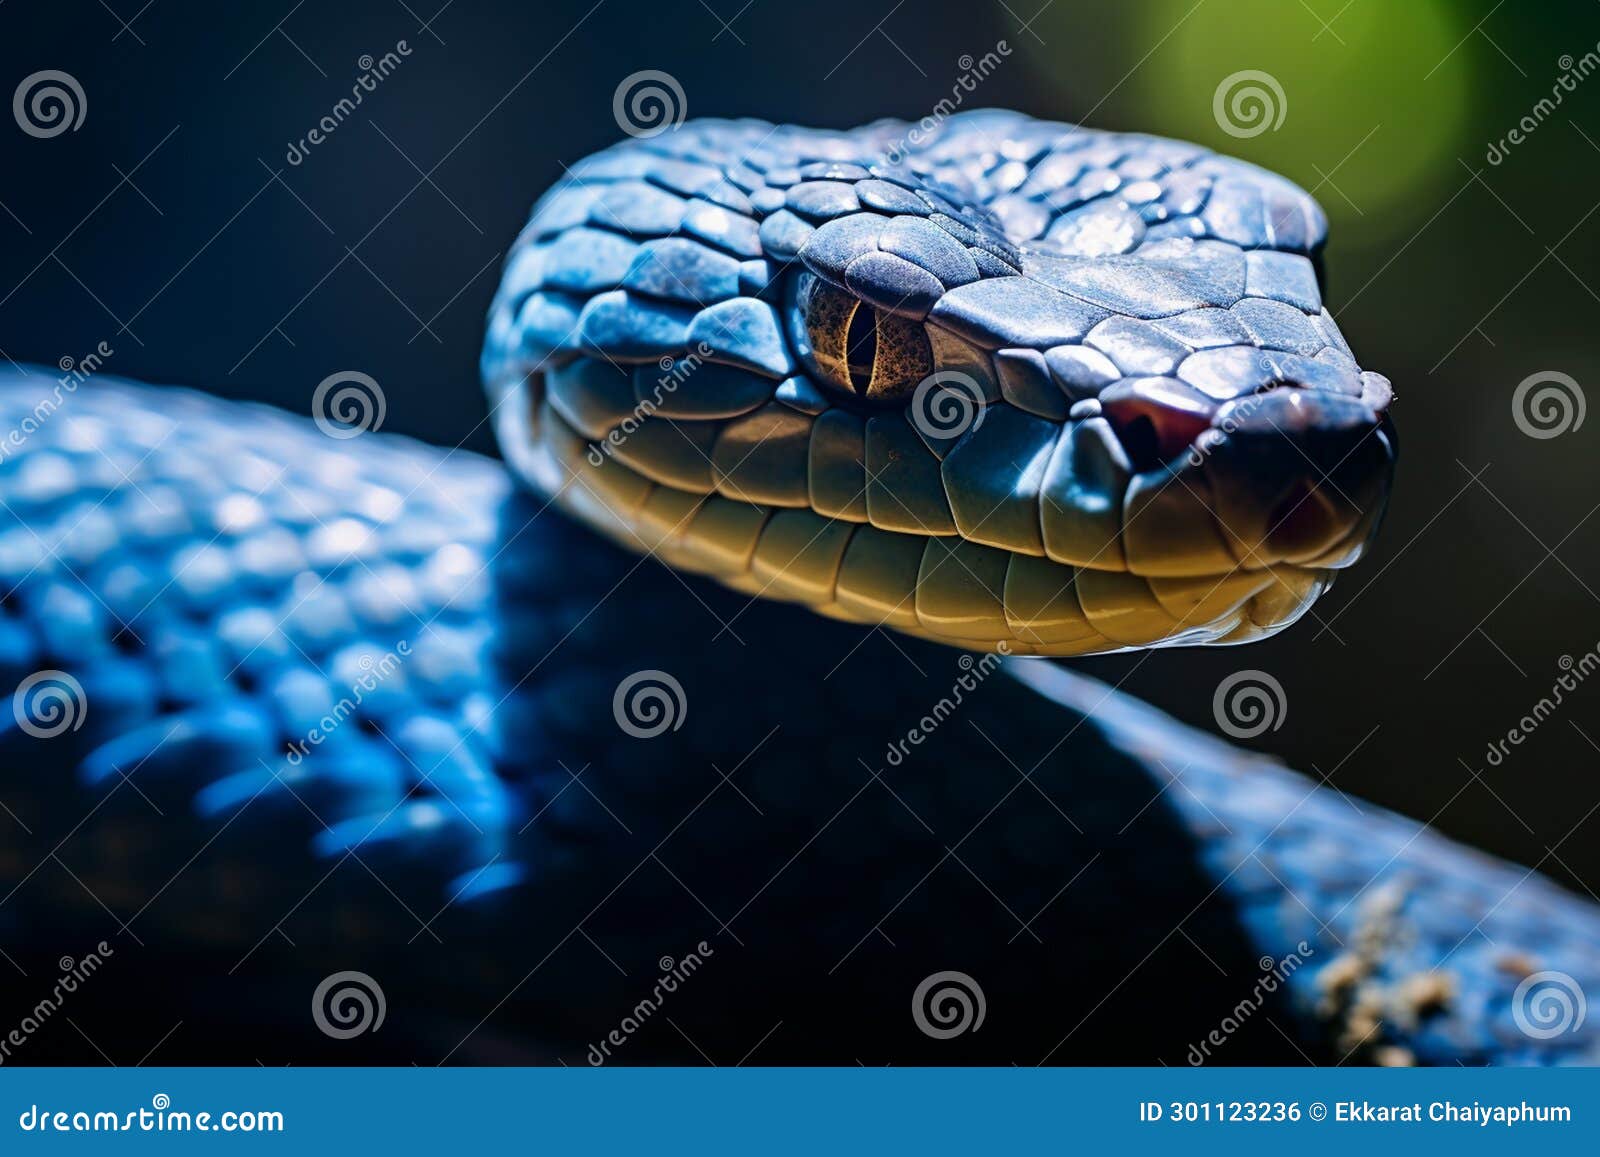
column 1019, row 384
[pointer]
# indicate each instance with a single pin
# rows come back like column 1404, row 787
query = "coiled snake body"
column 356, row 704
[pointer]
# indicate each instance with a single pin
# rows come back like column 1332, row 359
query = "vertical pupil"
column 861, row 347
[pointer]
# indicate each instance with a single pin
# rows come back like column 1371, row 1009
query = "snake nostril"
column 1155, row 419
column 1141, row 442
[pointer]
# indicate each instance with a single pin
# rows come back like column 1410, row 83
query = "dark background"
column 172, row 227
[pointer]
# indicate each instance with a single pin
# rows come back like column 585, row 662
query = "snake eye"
column 855, row 347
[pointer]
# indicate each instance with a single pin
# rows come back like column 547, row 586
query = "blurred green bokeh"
column 1370, row 109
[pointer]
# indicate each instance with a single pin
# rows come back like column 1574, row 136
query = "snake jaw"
column 1141, row 427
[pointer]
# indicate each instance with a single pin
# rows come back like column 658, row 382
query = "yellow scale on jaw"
column 943, row 588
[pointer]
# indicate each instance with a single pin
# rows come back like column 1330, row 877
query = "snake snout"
column 1298, row 475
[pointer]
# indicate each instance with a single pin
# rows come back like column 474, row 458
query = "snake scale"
column 358, row 704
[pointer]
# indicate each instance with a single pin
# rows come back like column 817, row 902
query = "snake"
column 724, row 718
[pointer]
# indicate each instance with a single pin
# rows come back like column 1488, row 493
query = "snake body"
column 361, row 704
